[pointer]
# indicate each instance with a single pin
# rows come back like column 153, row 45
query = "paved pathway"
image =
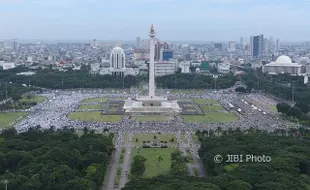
column 182, row 148
column 109, row 185
column 126, row 164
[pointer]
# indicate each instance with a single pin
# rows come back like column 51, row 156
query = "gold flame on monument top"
column 152, row 31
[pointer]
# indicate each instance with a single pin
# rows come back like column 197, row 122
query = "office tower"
column 94, row 43
column 277, row 44
column 241, row 45
column 159, row 47
column 15, row 44
column 270, row 44
column 231, row 46
column 266, row 45
column 138, row 42
column 257, row 45
column 218, row 46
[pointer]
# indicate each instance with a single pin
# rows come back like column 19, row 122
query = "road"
column 114, row 162
column 126, row 163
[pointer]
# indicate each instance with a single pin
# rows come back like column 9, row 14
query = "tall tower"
column 152, row 63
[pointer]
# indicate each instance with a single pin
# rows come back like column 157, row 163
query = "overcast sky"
column 207, row 20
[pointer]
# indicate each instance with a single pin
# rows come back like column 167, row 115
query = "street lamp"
column 6, row 184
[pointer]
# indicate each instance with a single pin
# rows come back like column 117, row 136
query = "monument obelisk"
column 152, row 63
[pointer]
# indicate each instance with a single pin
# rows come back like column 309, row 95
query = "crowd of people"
column 54, row 112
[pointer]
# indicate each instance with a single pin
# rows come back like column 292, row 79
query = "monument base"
column 150, row 105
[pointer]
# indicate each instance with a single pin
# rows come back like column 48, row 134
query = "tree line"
column 53, row 79
column 53, row 159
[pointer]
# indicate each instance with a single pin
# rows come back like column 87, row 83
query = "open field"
column 143, row 118
column 273, row 109
column 150, row 137
column 211, row 117
column 37, row 99
column 205, row 101
column 151, row 164
column 95, row 100
column 7, row 118
column 94, row 117
column 90, row 106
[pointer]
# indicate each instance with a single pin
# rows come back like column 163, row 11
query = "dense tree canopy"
column 290, row 160
column 53, row 79
column 49, row 160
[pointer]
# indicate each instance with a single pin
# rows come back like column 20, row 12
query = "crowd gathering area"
column 153, row 137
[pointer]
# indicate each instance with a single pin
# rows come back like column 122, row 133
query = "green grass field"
column 183, row 138
column 205, row 101
column 94, row 117
column 152, row 154
column 150, row 137
column 273, row 109
column 95, row 100
column 90, row 106
column 211, row 117
column 37, row 99
column 7, row 118
column 143, row 118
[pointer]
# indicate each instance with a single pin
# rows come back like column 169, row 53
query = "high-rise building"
column 231, row 46
column 266, row 45
column 270, row 44
column 167, row 54
column 277, row 44
column 159, row 47
column 15, row 44
column 94, row 43
column 241, row 45
column 218, row 46
column 138, row 42
column 257, row 45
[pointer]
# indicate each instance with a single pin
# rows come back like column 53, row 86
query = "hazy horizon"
column 174, row 20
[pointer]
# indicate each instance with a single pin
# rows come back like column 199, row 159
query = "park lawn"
column 273, row 109
column 205, row 101
column 112, row 109
column 206, row 108
column 37, row 99
column 7, row 118
column 90, row 106
column 143, row 118
column 211, row 117
column 150, row 137
column 95, row 100
column 94, row 117
column 152, row 154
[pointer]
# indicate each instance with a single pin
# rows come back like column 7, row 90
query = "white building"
column 29, row 59
column 164, row 68
column 94, row 43
column 185, row 67
column 223, row 67
column 283, row 65
column 7, row 65
column 117, row 64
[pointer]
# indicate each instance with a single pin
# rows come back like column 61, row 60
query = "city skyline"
column 199, row 20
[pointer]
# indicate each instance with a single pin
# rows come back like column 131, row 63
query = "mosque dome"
column 284, row 59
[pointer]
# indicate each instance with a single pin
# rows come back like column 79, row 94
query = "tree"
column 283, row 107
column 240, row 89
column 138, row 166
column 238, row 184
